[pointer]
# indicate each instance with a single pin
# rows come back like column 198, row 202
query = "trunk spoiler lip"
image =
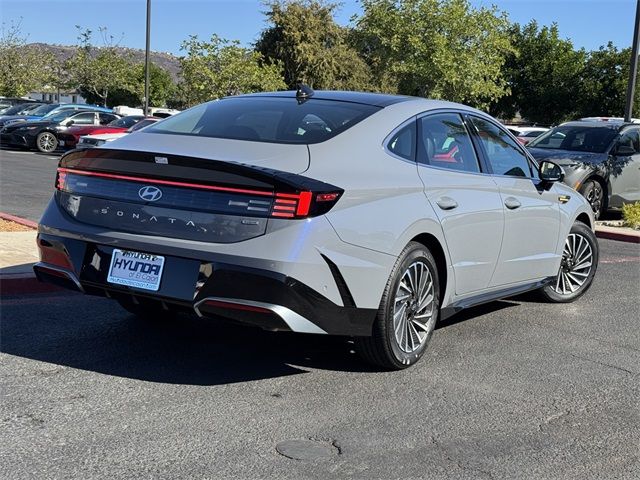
column 104, row 160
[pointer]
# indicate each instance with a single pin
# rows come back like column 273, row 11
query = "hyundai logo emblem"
column 150, row 194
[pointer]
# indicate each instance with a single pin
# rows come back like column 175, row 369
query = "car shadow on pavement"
column 97, row 335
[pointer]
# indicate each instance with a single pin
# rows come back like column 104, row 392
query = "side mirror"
column 69, row 123
column 550, row 172
column 624, row 151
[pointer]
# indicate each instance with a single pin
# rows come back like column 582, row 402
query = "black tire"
column 147, row 310
column 555, row 292
column 46, row 142
column 384, row 348
column 594, row 192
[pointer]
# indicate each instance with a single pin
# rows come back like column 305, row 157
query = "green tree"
column 98, row 71
column 604, row 83
column 311, row 46
column 220, row 67
column 23, row 68
column 442, row 49
column 544, row 76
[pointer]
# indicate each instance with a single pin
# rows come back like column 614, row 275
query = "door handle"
column 447, row 203
column 512, row 203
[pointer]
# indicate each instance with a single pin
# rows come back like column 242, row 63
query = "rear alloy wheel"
column 46, row 142
column 594, row 193
column 577, row 267
column 408, row 312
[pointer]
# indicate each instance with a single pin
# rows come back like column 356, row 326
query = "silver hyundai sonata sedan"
column 358, row 214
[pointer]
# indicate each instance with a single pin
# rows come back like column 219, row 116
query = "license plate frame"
column 136, row 269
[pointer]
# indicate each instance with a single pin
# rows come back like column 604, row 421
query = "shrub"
column 631, row 215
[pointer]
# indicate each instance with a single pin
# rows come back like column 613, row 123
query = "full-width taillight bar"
column 285, row 205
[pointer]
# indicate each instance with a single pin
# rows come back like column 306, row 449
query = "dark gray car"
column 601, row 159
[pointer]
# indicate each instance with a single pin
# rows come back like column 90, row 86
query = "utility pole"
column 633, row 71
column 146, row 59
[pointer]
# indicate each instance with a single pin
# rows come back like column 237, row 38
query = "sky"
column 588, row 23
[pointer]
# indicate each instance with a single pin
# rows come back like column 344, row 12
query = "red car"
column 69, row 139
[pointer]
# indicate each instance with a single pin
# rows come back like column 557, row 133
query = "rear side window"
column 403, row 142
column 503, row 154
column 443, row 141
column 267, row 119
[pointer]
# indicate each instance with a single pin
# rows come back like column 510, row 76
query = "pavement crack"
column 615, row 367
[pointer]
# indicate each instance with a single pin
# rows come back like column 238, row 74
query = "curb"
column 22, row 283
column 611, row 234
column 22, row 221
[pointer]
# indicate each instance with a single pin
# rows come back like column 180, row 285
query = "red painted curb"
column 20, row 220
column 24, row 283
column 620, row 236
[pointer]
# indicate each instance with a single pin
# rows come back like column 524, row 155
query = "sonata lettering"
column 151, row 218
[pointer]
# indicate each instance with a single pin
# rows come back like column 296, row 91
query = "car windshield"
column 59, row 116
column 125, row 122
column 43, row 109
column 576, row 138
column 267, row 119
column 141, row 124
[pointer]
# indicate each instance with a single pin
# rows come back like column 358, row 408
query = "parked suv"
column 601, row 160
column 342, row 213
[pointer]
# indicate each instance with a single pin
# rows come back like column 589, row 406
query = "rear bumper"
column 263, row 298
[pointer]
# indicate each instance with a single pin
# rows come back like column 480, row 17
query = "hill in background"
column 164, row 60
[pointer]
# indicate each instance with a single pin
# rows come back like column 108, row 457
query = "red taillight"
column 303, row 204
column 62, row 176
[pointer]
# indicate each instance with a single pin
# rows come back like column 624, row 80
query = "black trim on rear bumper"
column 286, row 303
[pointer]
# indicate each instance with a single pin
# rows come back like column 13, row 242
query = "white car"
column 343, row 213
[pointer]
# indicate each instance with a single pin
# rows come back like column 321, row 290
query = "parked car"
column 524, row 135
column 52, row 109
column 70, row 137
column 95, row 140
column 320, row 212
column 42, row 135
column 601, row 160
column 6, row 102
column 19, row 109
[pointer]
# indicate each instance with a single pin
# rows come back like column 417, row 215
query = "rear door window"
column 443, row 141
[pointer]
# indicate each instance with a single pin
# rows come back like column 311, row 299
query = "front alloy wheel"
column 46, row 142
column 577, row 267
column 408, row 312
column 592, row 190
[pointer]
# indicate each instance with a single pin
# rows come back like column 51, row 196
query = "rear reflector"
column 237, row 306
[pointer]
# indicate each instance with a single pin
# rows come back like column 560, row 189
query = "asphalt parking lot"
column 513, row 389
column 26, row 181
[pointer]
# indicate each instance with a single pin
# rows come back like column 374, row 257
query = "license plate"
column 136, row 269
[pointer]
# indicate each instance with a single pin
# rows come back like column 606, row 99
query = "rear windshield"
column 267, row 119
column 576, row 138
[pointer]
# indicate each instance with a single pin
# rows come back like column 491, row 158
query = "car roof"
column 597, row 123
column 367, row 98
